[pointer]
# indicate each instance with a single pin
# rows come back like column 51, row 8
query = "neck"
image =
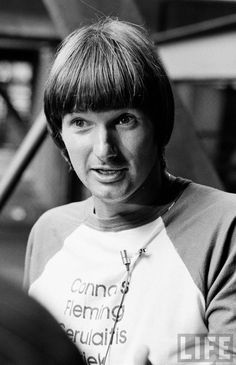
column 146, row 199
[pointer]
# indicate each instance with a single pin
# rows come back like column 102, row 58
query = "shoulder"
column 67, row 211
column 63, row 218
column 204, row 200
column 202, row 228
column 211, row 193
column 202, row 208
column 48, row 235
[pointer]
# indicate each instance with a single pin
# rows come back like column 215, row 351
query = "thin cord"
column 127, row 281
column 127, row 262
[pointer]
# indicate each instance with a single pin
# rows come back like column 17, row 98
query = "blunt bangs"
column 104, row 66
column 102, row 80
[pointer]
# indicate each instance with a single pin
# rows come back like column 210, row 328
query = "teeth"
column 107, row 172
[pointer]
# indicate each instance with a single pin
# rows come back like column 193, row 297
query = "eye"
column 127, row 120
column 80, row 123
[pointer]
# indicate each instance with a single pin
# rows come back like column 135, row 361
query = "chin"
column 109, row 195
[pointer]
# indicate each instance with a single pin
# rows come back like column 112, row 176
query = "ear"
column 58, row 140
column 66, row 157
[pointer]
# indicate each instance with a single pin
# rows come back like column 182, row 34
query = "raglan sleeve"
column 45, row 239
column 37, row 250
column 221, row 294
column 28, row 258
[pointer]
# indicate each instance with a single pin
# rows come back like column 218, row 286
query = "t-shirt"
column 182, row 278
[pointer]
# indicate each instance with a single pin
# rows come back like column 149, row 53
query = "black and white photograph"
column 118, row 182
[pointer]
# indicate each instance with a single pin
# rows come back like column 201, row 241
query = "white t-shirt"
column 179, row 287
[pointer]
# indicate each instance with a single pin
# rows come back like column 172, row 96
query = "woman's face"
column 112, row 152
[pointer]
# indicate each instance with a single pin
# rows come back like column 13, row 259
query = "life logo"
column 205, row 348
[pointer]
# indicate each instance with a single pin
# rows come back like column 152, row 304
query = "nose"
column 104, row 144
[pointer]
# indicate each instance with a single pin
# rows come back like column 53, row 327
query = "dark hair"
column 110, row 64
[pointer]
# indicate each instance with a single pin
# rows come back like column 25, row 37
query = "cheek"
column 143, row 149
column 77, row 153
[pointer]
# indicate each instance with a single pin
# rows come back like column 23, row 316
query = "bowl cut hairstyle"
column 108, row 65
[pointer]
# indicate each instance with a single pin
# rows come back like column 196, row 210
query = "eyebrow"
column 82, row 115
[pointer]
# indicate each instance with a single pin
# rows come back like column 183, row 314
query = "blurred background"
column 196, row 41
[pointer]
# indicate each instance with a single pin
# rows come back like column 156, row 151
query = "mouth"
column 109, row 174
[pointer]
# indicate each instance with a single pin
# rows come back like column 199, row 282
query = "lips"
column 105, row 174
